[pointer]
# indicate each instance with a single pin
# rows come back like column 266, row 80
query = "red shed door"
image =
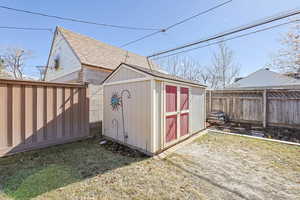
column 171, row 113
column 184, row 111
column 177, row 112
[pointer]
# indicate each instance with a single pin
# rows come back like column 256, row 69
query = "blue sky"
column 251, row 53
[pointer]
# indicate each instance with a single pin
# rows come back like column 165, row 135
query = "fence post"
column 265, row 106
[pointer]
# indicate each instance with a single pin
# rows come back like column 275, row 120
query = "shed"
column 150, row 110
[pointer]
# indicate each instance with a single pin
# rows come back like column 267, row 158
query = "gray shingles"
column 159, row 74
column 96, row 53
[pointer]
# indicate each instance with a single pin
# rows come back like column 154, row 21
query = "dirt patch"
column 121, row 149
column 243, row 168
column 277, row 133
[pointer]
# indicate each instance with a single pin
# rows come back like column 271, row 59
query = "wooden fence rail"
column 37, row 114
column 265, row 107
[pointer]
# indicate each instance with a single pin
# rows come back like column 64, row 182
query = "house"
column 150, row 110
column 295, row 75
column 75, row 58
column 265, row 79
column 5, row 74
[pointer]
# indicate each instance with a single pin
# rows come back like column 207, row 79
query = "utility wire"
column 26, row 28
column 228, row 39
column 232, row 31
column 176, row 24
column 197, row 15
column 79, row 20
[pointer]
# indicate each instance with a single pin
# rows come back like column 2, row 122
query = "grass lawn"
column 88, row 170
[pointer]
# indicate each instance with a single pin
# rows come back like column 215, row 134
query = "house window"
column 56, row 63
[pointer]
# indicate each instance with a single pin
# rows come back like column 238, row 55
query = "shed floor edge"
column 161, row 151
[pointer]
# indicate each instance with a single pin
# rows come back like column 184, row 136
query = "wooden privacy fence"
column 266, row 107
column 39, row 114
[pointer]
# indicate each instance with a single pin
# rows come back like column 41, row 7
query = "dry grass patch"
column 273, row 154
column 213, row 167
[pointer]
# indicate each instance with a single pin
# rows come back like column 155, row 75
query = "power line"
column 197, row 15
column 232, row 31
column 228, row 39
column 26, row 28
column 141, row 38
column 79, row 20
column 176, row 24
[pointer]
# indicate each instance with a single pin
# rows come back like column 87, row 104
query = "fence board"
column 36, row 114
column 16, row 115
column 282, row 107
column 59, row 112
column 40, row 114
column 3, row 116
column 28, row 111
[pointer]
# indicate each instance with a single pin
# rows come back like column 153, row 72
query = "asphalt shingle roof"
column 93, row 52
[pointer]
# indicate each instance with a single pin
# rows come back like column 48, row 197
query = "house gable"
column 99, row 54
column 67, row 59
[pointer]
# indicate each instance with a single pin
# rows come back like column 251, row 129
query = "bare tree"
column 184, row 67
column 42, row 72
column 205, row 76
column 1, row 64
column 223, row 70
column 287, row 59
column 14, row 61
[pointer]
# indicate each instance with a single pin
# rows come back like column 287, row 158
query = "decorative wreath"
column 115, row 101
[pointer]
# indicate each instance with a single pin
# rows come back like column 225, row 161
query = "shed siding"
column 158, row 115
column 137, row 114
column 197, row 109
column 68, row 61
column 125, row 74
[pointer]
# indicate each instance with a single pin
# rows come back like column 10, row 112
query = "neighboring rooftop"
column 5, row 74
column 265, row 78
column 95, row 53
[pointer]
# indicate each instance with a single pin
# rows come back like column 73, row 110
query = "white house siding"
column 197, row 109
column 96, row 105
column 73, row 77
column 137, row 114
column 92, row 76
column 68, row 61
column 95, row 79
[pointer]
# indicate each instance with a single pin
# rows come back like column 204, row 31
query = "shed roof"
column 157, row 74
column 95, row 53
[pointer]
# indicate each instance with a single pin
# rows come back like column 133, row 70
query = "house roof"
column 95, row 53
column 264, row 78
column 157, row 74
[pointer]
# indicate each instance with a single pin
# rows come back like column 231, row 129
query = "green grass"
column 28, row 175
column 28, row 183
